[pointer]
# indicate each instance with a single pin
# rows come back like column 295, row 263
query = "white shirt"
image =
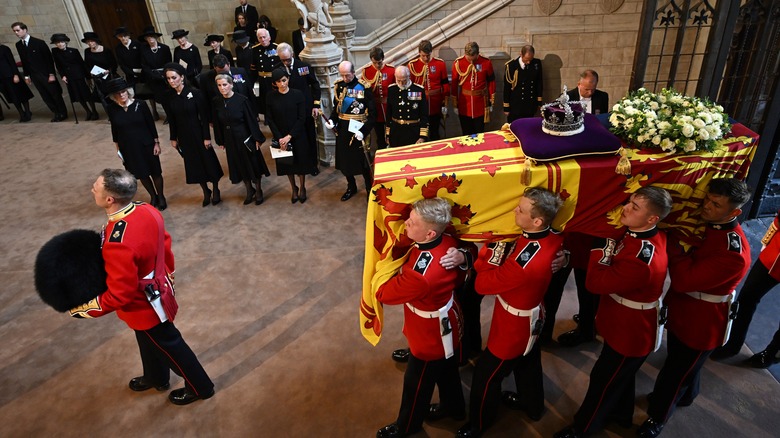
column 587, row 104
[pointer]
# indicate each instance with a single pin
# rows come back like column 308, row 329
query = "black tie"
column 25, row 43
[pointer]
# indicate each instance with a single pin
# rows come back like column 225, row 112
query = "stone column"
column 343, row 26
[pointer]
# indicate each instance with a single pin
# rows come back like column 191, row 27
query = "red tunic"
column 474, row 85
column 433, row 77
column 636, row 272
column 520, row 276
column 716, row 267
column 426, row 285
column 770, row 256
column 378, row 83
column 129, row 249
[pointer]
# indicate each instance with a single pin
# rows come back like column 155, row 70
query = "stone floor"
column 269, row 301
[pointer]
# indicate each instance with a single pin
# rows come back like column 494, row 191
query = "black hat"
column 278, row 74
column 211, row 38
column 121, row 31
column 115, row 86
column 90, row 36
column 240, row 37
column 149, row 31
column 175, row 66
column 178, row 33
column 57, row 37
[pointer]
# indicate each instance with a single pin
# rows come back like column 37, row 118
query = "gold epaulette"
column 255, row 45
column 365, row 83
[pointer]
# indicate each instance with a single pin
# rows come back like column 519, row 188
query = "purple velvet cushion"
column 595, row 139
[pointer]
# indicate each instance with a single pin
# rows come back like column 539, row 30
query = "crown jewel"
column 563, row 117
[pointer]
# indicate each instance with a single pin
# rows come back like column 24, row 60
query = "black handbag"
column 285, row 161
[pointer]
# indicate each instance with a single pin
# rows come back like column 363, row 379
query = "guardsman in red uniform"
column 432, row 321
column 431, row 74
column 474, row 89
column 378, row 76
column 630, row 273
column 407, row 111
column 131, row 245
column 518, row 273
column 699, row 300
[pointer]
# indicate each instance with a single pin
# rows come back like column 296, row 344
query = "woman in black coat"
column 286, row 115
column 189, row 53
column 71, row 67
column 236, row 131
column 13, row 87
column 96, row 55
column 154, row 56
column 189, row 123
column 135, row 138
column 215, row 42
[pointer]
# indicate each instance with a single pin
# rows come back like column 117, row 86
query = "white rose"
column 706, row 117
column 667, row 145
column 690, row 146
column 704, row 134
column 662, row 98
column 650, row 115
column 699, row 123
column 688, row 130
column 654, row 106
column 657, row 140
column 613, row 118
column 715, row 132
column 616, row 107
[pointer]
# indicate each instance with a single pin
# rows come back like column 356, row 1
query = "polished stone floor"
column 269, row 301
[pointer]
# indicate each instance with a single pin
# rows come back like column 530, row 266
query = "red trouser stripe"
column 484, row 394
column 601, row 399
column 173, row 362
column 416, row 393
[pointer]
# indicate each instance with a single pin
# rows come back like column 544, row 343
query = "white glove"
column 455, row 110
column 444, row 111
column 490, row 109
column 329, row 124
column 359, row 136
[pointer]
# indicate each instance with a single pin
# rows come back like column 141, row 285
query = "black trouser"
column 51, row 93
column 352, row 184
column 434, row 123
column 470, row 303
column 419, row 380
column 379, row 132
column 163, row 349
column 757, row 284
column 486, row 385
column 472, row 126
column 610, row 391
column 588, row 302
column 681, row 370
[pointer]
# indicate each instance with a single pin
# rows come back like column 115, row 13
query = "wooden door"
column 107, row 15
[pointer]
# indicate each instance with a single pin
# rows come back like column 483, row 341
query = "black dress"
column 104, row 60
column 191, row 56
column 287, row 115
column 189, row 124
column 223, row 52
column 152, row 63
column 15, row 93
column 70, row 65
column 133, row 129
column 234, row 122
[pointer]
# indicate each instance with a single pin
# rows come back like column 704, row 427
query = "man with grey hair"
column 139, row 274
column 407, row 111
column 593, row 101
column 264, row 58
column 432, row 319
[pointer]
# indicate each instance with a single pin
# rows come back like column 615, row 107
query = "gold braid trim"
column 462, row 76
column 340, row 98
column 373, row 82
column 511, row 80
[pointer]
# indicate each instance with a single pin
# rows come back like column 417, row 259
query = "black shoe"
column 62, row 117
column 575, row 337
column 649, row 429
column 184, row 396
column 512, row 400
column 153, row 202
column 724, row 353
column 391, row 431
column 348, row 194
column 259, row 199
column 27, row 116
column 302, row 196
column 294, row 197
column 467, row 432
column 56, row 118
column 140, row 384
column 206, row 197
column 94, row 116
column 162, row 204
column 215, row 198
column 250, row 195
column 569, row 432
column 436, row 412
column 401, row 355
column 764, row 359
column 315, row 172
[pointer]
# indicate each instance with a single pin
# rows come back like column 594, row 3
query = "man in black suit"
column 208, row 84
column 523, row 85
column 38, row 67
column 302, row 78
column 593, row 101
column 250, row 12
column 298, row 38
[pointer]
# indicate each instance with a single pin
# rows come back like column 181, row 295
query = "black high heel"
column 260, row 198
column 216, row 199
column 162, row 204
column 302, row 195
column 294, row 197
column 250, row 195
column 206, row 197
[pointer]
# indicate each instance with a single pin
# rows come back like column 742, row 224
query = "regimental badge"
column 415, row 95
column 423, row 261
column 646, row 253
column 499, row 251
column 735, row 243
column 609, row 251
column 303, row 71
column 384, row 76
column 118, row 232
column 478, row 67
column 433, row 69
column 528, row 253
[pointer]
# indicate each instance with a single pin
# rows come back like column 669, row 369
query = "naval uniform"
column 433, row 78
column 426, row 288
column 264, row 58
column 407, row 113
column 130, row 246
column 518, row 273
column 474, row 91
column 523, row 88
column 378, row 82
column 630, row 273
column 702, row 287
column 352, row 101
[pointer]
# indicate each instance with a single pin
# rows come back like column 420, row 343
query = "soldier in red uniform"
column 130, row 250
column 699, row 299
column 518, row 273
column 473, row 89
column 431, row 74
column 431, row 320
column 631, row 273
column 377, row 77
